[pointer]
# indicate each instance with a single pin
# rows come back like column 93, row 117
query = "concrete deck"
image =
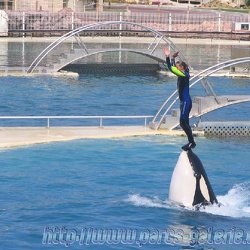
column 23, row 136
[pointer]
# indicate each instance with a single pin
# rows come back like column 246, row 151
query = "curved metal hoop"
column 159, row 38
column 195, row 79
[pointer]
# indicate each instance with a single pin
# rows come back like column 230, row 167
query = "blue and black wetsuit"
column 185, row 99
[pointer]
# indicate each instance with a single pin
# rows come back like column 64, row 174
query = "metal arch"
column 114, row 50
column 203, row 74
column 75, row 33
column 214, row 108
column 222, row 106
column 218, row 67
column 49, row 48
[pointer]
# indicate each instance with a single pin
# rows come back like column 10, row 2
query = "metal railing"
column 100, row 118
column 165, row 21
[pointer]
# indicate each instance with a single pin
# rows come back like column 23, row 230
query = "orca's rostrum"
column 189, row 185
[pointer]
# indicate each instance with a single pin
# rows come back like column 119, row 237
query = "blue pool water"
column 94, row 194
column 105, row 95
column 118, row 185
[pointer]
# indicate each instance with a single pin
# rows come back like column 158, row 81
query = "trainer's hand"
column 175, row 54
column 166, row 51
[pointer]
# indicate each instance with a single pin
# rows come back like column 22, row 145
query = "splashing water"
column 236, row 203
column 140, row 201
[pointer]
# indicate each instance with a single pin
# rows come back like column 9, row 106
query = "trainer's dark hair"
column 184, row 65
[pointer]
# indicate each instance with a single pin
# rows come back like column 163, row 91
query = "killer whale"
column 189, row 186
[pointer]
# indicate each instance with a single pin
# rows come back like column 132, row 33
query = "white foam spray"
column 236, row 203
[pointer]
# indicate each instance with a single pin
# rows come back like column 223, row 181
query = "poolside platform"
column 25, row 136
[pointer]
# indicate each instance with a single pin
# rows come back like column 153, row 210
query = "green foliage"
column 248, row 3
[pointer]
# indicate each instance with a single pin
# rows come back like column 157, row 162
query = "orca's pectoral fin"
column 199, row 172
column 198, row 196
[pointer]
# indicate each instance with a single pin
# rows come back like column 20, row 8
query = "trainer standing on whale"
column 181, row 70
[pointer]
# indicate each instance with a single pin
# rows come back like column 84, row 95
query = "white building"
column 44, row 5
